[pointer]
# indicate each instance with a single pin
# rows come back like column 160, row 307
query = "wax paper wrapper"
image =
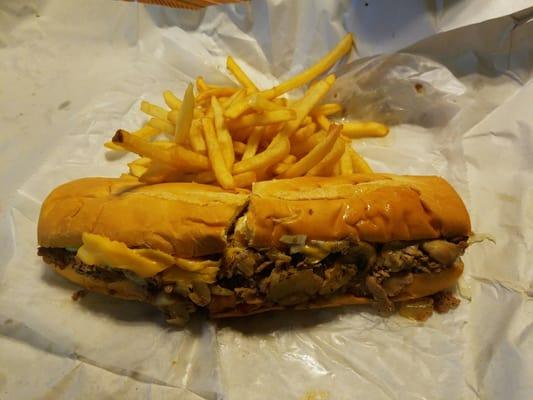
column 452, row 78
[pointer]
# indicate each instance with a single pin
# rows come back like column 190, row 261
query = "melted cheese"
column 101, row 251
column 104, row 252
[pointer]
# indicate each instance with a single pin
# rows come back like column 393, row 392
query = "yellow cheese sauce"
column 103, row 252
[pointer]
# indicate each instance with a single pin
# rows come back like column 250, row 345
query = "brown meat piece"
column 382, row 301
column 444, row 302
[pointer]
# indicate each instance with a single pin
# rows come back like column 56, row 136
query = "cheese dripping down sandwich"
column 300, row 243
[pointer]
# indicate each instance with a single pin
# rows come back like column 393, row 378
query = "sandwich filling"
column 245, row 280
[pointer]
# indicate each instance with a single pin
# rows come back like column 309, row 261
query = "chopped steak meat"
column 292, row 275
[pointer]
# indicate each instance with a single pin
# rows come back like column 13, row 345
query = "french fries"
column 235, row 136
column 318, row 153
column 218, row 164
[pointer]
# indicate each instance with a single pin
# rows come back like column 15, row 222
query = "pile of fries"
column 234, row 136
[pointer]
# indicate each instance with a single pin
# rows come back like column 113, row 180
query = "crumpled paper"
column 453, row 79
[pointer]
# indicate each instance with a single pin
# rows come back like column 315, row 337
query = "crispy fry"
column 241, row 180
column 158, row 172
column 185, row 116
column 327, row 109
column 307, row 120
column 325, row 166
column 164, row 145
column 253, row 143
column 153, row 110
column 322, row 121
column 325, row 63
column 301, row 149
column 239, row 147
column 162, row 125
column 315, row 155
column 196, row 138
column 223, row 136
column 259, row 103
column 359, row 163
column 336, row 169
column 277, row 150
column 237, row 96
column 201, row 85
column 176, row 156
column 216, row 159
column 246, row 179
column 312, row 96
column 242, row 134
column 142, row 147
column 354, row 129
column 146, row 132
column 171, row 100
column 267, row 118
column 114, row 146
column 239, row 74
column 284, row 165
column 303, row 133
column 216, row 91
column 346, row 166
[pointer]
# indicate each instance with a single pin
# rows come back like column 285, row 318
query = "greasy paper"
column 454, row 82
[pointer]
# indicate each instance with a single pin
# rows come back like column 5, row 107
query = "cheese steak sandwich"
column 302, row 243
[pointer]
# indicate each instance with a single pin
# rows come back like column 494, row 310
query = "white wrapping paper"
column 74, row 72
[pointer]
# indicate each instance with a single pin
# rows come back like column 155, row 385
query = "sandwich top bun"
column 181, row 219
column 369, row 207
column 191, row 220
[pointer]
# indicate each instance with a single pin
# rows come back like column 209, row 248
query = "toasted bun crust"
column 369, row 207
column 182, row 219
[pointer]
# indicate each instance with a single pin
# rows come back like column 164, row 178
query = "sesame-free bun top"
column 369, row 207
column 181, row 219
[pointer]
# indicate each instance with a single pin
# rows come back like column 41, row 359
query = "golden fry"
column 311, row 98
column 322, row 121
column 267, row 118
column 246, row 179
column 196, row 138
column 303, row 133
column 217, row 92
column 216, row 159
column 158, row 173
column 146, row 132
column 342, row 48
column 327, row 109
column 253, row 143
column 171, row 100
column 259, row 103
column 308, row 161
column 354, row 129
column 162, row 125
column 188, row 160
column 223, row 136
column 359, row 163
column 326, row 165
column 337, row 169
column 153, row 110
column 239, row 74
column 142, row 147
column 185, row 116
column 114, row 146
column 346, row 166
column 239, row 147
column 301, row 149
column 277, row 150
column 201, row 85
